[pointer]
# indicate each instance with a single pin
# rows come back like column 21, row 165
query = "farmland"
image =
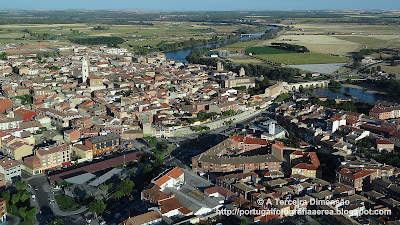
column 266, row 50
column 303, row 58
column 375, row 41
column 134, row 35
column 319, row 43
column 245, row 60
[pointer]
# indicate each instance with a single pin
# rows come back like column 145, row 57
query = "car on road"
column 108, row 212
column 36, row 188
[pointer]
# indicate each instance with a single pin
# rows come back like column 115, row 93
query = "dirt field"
column 391, row 69
column 319, row 43
column 343, row 28
column 373, row 41
column 245, row 60
column 303, row 58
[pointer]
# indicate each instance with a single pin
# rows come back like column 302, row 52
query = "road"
column 44, row 214
column 12, row 220
column 191, row 144
column 45, row 201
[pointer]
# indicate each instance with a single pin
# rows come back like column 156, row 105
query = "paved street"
column 12, row 220
column 45, row 201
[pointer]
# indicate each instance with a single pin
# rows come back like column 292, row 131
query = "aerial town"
column 100, row 134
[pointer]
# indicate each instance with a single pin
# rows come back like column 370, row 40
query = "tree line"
column 290, row 47
column 392, row 86
column 109, row 41
column 270, row 34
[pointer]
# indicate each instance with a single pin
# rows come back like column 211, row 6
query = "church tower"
column 242, row 72
column 85, row 69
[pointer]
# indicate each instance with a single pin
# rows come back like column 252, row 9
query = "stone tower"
column 242, row 72
column 85, row 69
column 220, row 67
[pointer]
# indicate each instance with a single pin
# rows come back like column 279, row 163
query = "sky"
column 200, row 5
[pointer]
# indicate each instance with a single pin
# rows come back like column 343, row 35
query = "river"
column 358, row 93
column 180, row 55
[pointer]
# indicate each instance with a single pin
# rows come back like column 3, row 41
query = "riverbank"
column 365, row 89
column 180, row 55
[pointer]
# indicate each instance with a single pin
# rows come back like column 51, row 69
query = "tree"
column 22, row 212
column 31, row 214
column 15, row 198
column 148, row 169
column 379, row 68
column 3, row 56
column 163, row 145
column 20, row 185
column 97, row 207
column 265, row 83
column 57, row 221
column 153, row 142
column 6, row 196
column 24, row 196
column 244, row 221
column 125, row 188
column 191, row 120
column 159, row 161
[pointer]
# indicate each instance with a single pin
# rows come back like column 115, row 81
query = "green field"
column 303, row 58
column 282, row 97
column 66, row 203
column 350, row 77
column 241, row 44
column 266, row 50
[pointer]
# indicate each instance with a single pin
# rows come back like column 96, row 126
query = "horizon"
column 205, row 5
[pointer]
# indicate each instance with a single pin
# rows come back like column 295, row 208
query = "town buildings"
column 103, row 144
column 224, row 156
column 48, row 158
column 10, row 168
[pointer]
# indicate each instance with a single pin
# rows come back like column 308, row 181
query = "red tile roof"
column 171, row 204
column 173, row 174
column 95, row 167
column 305, row 166
column 221, row 190
column 249, row 140
column 355, row 173
column 383, row 142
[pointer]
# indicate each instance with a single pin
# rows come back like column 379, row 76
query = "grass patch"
column 303, row 58
column 25, row 99
column 282, row 97
column 350, row 76
column 67, row 203
column 199, row 30
column 27, row 222
column 244, row 44
column 266, row 50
